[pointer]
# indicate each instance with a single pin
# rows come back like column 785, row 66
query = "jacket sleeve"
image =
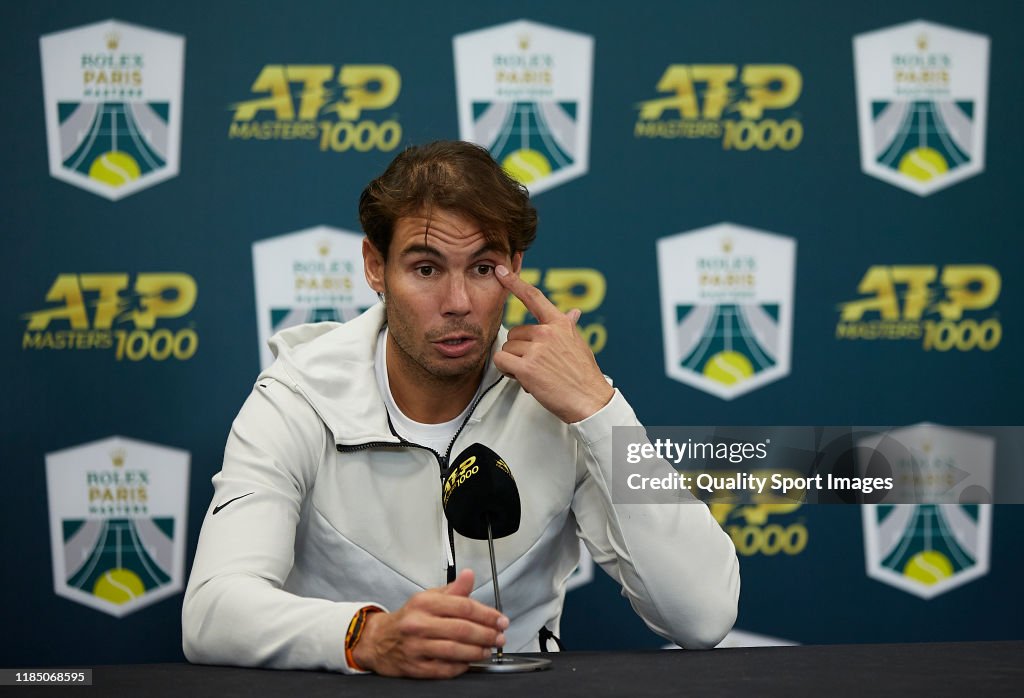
column 676, row 565
column 235, row 610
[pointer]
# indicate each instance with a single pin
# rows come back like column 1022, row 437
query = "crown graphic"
column 117, row 457
column 113, row 40
column 323, row 248
column 524, row 41
column 726, row 245
column 922, row 42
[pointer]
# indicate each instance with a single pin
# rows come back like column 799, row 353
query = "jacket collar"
column 331, row 366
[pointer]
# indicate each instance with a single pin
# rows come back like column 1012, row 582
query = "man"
column 326, row 546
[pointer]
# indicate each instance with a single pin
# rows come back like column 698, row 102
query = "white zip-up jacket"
column 320, row 509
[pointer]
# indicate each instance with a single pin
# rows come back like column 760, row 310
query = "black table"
column 973, row 669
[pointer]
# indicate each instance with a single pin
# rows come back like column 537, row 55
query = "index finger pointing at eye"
column 531, row 296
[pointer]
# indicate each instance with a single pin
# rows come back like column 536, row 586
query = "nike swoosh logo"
column 218, row 508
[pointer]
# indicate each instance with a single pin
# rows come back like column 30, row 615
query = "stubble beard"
column 430, row 370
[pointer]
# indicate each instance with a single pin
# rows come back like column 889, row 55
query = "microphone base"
column 510, row 664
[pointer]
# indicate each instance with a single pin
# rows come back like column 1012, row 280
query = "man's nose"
column 456, row 298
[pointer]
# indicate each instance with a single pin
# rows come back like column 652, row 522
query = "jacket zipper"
column 442, row 462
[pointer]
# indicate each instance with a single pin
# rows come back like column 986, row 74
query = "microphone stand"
column 494, row 579
column 499, row 663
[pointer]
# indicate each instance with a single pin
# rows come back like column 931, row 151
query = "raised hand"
column 550, row 359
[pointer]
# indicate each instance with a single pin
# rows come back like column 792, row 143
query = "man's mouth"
column 455, row 346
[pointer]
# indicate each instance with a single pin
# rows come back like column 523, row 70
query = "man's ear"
column 373, row 266
column 517, row 262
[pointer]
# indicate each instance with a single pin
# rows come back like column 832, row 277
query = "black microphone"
column 481, row 501
column 480, row 492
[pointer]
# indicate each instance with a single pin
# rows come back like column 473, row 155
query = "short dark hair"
column 452, row 175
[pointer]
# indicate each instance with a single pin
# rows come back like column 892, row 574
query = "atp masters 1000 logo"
column 726, row 307
column 765, row 526
column 115, row 311
column 112, row 93
column 308, row 276
column 941, row 306
column 335, row 107
column 922, row 102
column 524, row 94
column 117, row 523
column 745, row 107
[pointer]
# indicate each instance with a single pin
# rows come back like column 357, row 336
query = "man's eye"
column 425, row 271
column 484, row 269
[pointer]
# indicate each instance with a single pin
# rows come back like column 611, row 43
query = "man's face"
column 443, row 303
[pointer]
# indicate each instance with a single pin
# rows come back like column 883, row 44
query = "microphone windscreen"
column 479, row 488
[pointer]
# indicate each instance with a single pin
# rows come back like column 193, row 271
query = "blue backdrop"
column 633, row 190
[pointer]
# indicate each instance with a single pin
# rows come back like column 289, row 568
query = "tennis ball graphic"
column 115, row 168
column 928, row 567
column 923, row 164
column 119, row 586
column 526, row 165
column 728, row 367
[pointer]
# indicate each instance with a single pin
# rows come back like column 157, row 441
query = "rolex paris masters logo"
column 308, row 276
column 931, row 548
column 922, row 103
column 117, row 523
column 524, row 94
column 112, row 94
column 726, row 307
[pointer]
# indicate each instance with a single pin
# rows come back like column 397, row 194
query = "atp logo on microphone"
column 480, row 498
column 462, row 472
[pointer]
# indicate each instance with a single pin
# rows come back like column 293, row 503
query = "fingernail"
column 502, row 622
column 500, row 642
column 501, row 270
column 486, row 654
